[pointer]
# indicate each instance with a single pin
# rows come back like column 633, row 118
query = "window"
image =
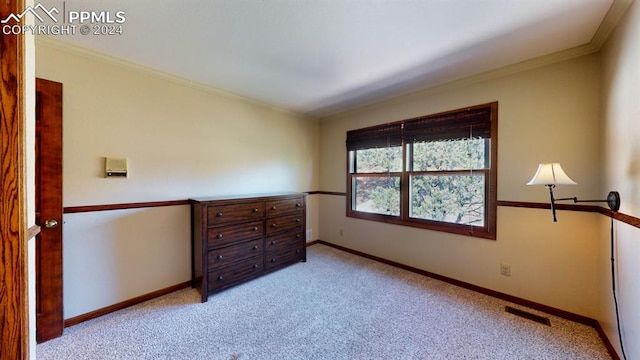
column 436, row 172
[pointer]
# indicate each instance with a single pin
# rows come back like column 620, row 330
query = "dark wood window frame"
column 484, row 117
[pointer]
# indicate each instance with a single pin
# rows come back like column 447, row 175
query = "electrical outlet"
column 505, row 269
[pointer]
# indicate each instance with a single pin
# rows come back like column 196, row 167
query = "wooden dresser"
column 236, row 239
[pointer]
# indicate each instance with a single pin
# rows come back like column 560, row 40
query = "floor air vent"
column 528, row 315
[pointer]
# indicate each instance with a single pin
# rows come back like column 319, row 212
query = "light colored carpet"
column 335, row 306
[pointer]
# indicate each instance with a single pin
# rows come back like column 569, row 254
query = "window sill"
column 472, row 231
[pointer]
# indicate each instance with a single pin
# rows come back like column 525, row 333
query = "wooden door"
column 49, row 306
column 14, row 316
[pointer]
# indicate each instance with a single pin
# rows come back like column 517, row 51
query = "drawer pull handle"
column 273, row 243
column 255, row 266
column 219, row 214
column 298, row 220
column 255, row 228
column 274, row 225
column 297, row 251
column 298, row 204
column 273, row 260
column 255, row 210
column 273, row 208
column 220, row 236
column 220, row 257
column 220, row 278
column 255, row 247
column 298, row 236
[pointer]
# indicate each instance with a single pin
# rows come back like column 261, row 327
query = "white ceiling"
column 321, row 57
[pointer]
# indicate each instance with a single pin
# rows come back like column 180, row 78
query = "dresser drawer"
column 231, row 275
column 233, row 235
column 219, row 214
column 227, row 235
column 226, row 256
column 282, row 242
column 284, row 258
column 285, row 206
column 284, row 223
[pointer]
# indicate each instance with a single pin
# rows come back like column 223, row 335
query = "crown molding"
column 462, row 82
column 607, row 26
column 609, row 23
column 530, row 64
column 51, row 42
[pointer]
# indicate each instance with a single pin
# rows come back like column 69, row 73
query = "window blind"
column 375, row 137
column 451, row 125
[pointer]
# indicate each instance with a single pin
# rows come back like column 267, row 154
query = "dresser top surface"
column 266, row 196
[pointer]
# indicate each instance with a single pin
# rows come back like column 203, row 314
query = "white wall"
column 181, row 141
column 621, row 171
column 545, row 114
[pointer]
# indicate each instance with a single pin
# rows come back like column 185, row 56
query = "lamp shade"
column 550, row 174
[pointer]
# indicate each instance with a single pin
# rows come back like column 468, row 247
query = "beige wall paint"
column 112, row 256
column 545, row 114
column 621, row 171
column 181, row 141
column 552, row 265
